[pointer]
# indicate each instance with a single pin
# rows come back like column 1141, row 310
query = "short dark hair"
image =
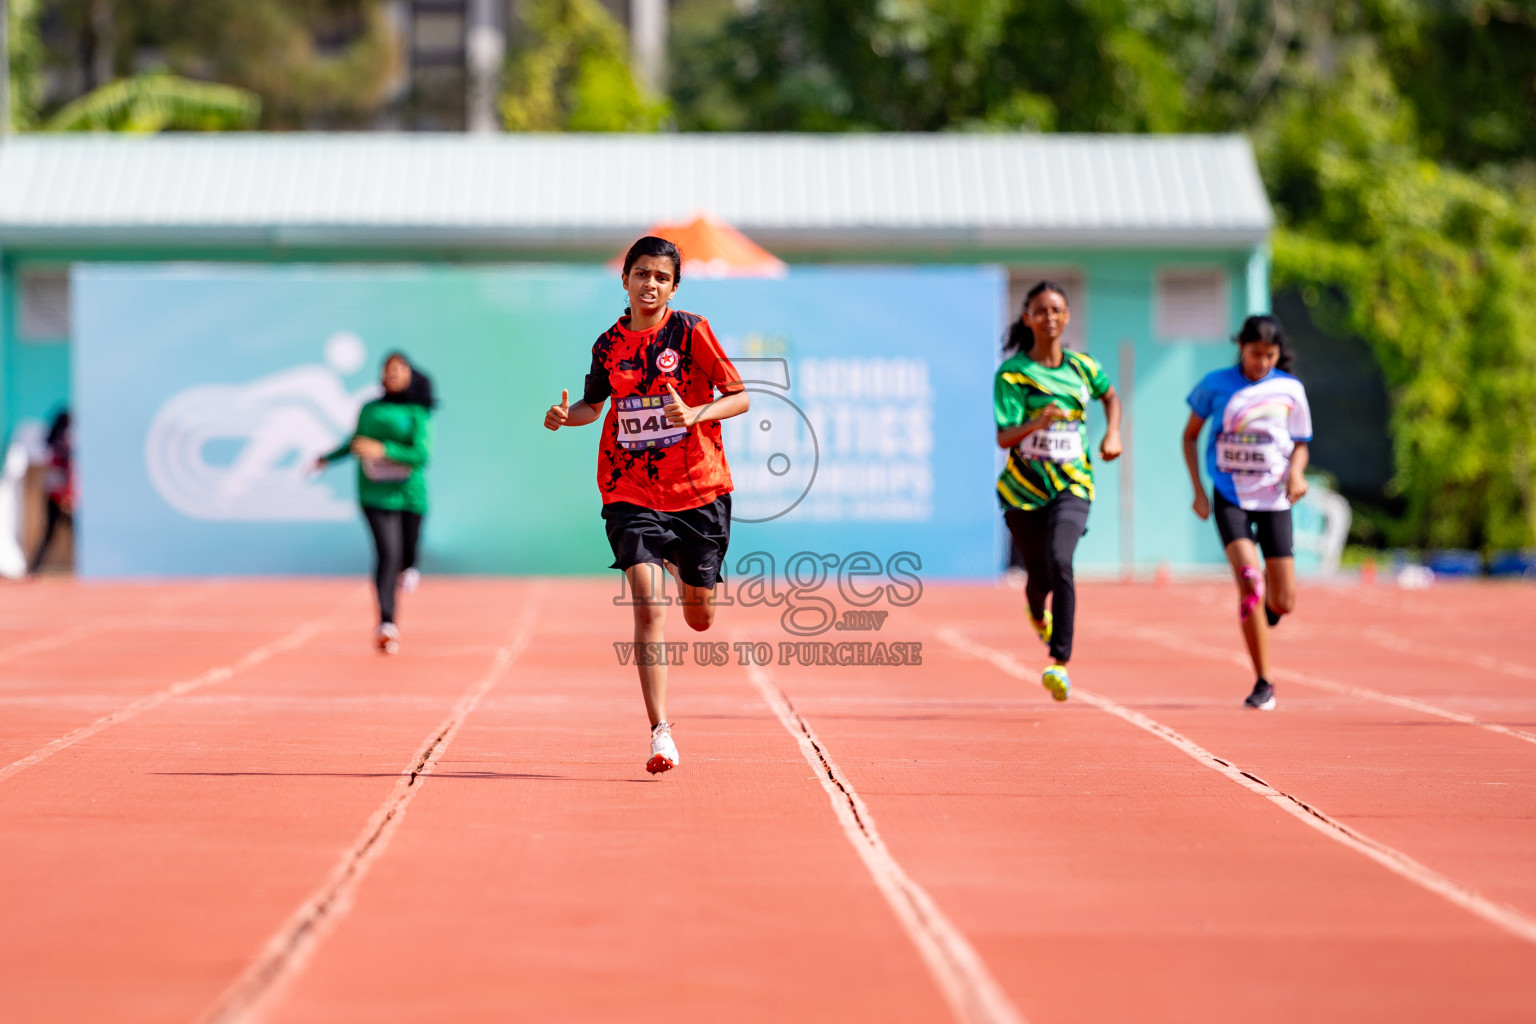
column 654, row 245
column 1265, row 328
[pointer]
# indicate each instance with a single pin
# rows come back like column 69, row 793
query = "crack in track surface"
column 1394, row 860
column 962, row 977
column 286, row 953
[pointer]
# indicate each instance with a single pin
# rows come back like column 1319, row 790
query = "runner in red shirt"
column 661, row 466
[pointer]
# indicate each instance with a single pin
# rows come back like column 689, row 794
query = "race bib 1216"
column 643, row 423
column 1062, row 441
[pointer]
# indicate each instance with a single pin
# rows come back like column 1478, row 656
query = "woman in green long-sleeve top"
column 391, row 445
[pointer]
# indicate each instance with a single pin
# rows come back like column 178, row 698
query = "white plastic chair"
column 1320, row 522
column 13, row 473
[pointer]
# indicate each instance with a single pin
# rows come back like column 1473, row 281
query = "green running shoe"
column 1055, row 680
column 1043, row 627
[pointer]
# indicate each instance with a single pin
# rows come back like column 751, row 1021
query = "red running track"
column 218, row 804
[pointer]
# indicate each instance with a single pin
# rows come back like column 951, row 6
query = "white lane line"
column 43, row 643
column 1392, row 642
column 1500, row 914
column 154, row 700
column 287, row 952
column 972, row 993
column 1185, row 646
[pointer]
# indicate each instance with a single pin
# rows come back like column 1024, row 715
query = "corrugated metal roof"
column 599, row 190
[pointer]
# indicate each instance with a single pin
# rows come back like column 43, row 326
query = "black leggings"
column 1045, row 539
column 394, row 550
column 56, row 515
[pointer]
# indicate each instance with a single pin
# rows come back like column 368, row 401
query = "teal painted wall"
column 5, row 349
column 34, row 372
column 39, row 380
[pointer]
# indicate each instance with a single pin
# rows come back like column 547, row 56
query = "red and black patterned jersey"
column 643, row 459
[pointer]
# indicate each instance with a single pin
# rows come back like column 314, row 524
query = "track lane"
column 1096, row 875
column 1445, row 645
column 952, row 765
column 164, row 852
column 1067, row 845
column 1185, row 645
column 262, row 985
column 542, row 875
column 1498, row 914
column 160, row 642
column 1460, row 799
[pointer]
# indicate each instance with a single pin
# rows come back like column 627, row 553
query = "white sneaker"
column 410, row 580
column 663, row 750
column 387, row 639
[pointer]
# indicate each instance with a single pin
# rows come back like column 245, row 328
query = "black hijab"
column 417, row 392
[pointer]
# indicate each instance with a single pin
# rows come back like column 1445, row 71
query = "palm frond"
column 154, row 102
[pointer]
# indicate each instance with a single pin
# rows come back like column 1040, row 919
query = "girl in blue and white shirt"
column 1256, row 455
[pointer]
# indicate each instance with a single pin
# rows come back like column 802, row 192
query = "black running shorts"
column 1272, row 530
column 694, row 540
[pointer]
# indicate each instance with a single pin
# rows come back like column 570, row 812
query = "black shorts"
column 694, row 540
column 1272, row 530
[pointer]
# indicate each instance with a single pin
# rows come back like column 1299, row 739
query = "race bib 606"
column 643, row 423
column 1246, row 453
column 1061, row 442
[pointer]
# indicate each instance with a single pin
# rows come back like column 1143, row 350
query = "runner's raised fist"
column 558, row 414
column 679, row 413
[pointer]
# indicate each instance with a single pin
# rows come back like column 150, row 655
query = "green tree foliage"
column 1397, row 138
column 573, row 74
column 1469, row 69
column 26, row 58
column 155, row 102
column 926, row 65
column 1438, row 271
column 313, row 63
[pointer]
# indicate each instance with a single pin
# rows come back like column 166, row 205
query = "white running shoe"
column 663, row 750
column 387, row 639
column 410, row 580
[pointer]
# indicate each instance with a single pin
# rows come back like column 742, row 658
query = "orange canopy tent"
column 712, row 248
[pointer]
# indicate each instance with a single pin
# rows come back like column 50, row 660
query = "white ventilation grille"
column 45, row 304
column 1191, row 305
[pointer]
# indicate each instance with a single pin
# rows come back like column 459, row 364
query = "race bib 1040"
column 643, row 423
column 1062, row 441
column 1247, row 453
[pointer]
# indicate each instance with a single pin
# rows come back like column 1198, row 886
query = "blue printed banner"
column 204, row 394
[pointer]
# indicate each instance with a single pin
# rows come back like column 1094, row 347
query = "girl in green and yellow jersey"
column 1040, row 399
column 391, row 445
